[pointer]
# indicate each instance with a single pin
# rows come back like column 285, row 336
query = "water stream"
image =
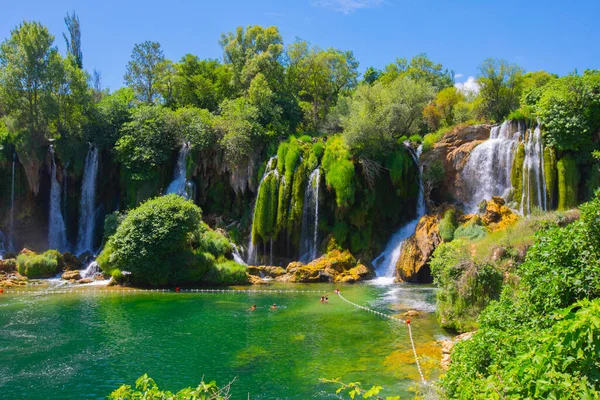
column 87, row 205
column 57, row 233
column 385, row 263
column 179, row 184
column 310, row 218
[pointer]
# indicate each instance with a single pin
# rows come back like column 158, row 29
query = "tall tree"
column 319, row 77
column 501, row 86
column 420, row 67
column 145, row 70
column 252, row 51
column 74, row 39
column 28, row 63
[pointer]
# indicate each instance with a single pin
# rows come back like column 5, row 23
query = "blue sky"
column 553, row 35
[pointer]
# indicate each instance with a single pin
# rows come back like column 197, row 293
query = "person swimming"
column 326, row 299
column 322, row 299
column 274, row 306
column 252, row 308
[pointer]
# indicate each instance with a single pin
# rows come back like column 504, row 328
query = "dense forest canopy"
column 263, row 91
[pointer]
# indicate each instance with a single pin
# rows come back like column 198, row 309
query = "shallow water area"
column 86, row 342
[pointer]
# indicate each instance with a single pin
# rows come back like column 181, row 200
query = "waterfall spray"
column 57, row 233
column 87, row 205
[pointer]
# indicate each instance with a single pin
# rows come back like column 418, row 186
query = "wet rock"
column 266, row 271
column 71, row 262
column 334, row 266
column 12, row 279
column 454, row 150
column 70, row 275
column 8, row 265
column 497, row 215
column 256, row 280
column 412, row 265
column 84, row 280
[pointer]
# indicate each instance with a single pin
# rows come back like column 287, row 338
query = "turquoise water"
column 57, row 346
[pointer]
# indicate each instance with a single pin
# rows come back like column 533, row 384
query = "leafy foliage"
column 162, row 242
column 146, row 388
column 339, row 171
column 42, row 265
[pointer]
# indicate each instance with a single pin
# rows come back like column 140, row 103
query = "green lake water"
column 84, row 345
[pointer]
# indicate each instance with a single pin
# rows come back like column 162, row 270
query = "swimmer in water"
column 252, row 308
column 274, row 306
column 322, row 299
column 326, row 299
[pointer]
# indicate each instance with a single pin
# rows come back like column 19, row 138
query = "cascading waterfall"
column 57, row 233
column 87, row 205
column 91, row 271
column 179, row 184
column 310, row 218
column 487, row 172
column 237, row 257
column 488, row 169
column 252, row 257
column 11, row 235
column 2, row 250
column 385, row 263
column 534, row 179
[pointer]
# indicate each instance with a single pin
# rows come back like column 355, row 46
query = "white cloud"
column 470, row 86
column 346, row 6
column 458, row 76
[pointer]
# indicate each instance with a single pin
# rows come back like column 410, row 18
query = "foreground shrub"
column 164, row 241
column 146, row 388
column 42, row 265
column 448, row 225
column 541, row 339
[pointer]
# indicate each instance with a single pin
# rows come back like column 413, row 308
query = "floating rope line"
column 406, row 322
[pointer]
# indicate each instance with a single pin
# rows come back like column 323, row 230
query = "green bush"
column 146, row 388
column 162, row 242
column 568, row 182
column 432, row 138
column 112, row 222
column 470, row 231
column 448, row 225
column 42, row 265
column 227, row 272
column 416, row 139
column 541, row 338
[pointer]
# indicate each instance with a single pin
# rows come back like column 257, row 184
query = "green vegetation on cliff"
column 43, row 265
column 568, row 182
column 547, row 313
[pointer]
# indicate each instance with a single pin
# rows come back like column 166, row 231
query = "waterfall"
column 91, row 271
column 488, row 169
column 252, row 258
column 87, row 205
column 487, row 172
column 11, row 235
column 179, row 183
column 385, row 263
column 237, row 257
column 57, row 233
column 310, row 218
column 2, row 251
column 534, row 179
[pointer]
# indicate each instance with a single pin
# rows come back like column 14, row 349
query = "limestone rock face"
column 454, row 150
column 417, row 250
column 497, row 215
column 12, row 279
column 335, row 266
column 266, row 271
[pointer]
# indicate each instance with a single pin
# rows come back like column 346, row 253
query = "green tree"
column 195, row 126
column 419, row 68
column 145, row 70
column 73, row 41
column 202, row 83
column 146, row 141
column 251, row 51
column 109, row 116
column 238, row 129
column 441, row 111
column 371, row 75
column 319, row 77
column 28, row 64
column 500, row 88
column 382, row 113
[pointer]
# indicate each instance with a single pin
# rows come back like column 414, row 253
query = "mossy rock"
column 516, row 174
column 568, row 182
column 335, row 266
column 550, row 175
column 43, row 265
